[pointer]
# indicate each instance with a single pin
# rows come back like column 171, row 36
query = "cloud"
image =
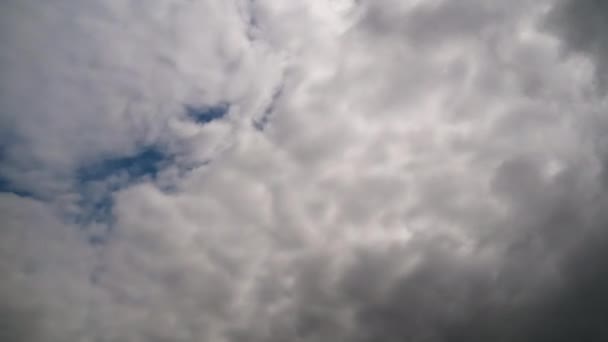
column 105, row 83
column 45, row 267
column 320, row 171
column 581, row 24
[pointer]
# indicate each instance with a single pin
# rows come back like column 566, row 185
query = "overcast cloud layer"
column 323, row 170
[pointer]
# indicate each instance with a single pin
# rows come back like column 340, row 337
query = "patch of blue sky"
column 6, row 186
column 206, row 114
column 145, row 163
column 98, row 181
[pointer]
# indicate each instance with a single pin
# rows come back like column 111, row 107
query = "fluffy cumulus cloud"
column 324, row 170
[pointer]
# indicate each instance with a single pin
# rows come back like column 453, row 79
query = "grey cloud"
column 581, row 25
column 426, row 24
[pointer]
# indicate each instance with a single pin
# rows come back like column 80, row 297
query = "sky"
column 311, row 171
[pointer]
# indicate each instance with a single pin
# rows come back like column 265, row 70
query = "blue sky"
column 206, row 114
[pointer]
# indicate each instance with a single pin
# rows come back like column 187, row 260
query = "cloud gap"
column 206, row 114
column 98, row 181
column 146, row 162
column 6, row 186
